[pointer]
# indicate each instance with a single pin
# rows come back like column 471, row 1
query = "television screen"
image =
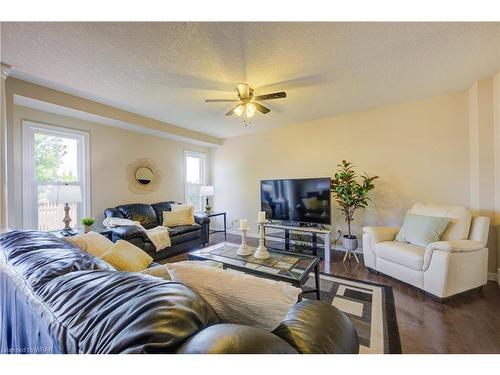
column 304, row 200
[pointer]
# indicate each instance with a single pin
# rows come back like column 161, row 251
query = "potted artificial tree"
column 350, row 195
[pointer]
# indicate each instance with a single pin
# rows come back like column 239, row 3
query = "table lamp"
column 207, row 191
column 67, row 194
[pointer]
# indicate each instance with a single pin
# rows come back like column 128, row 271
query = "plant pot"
column 350, row 242
column 87, row 228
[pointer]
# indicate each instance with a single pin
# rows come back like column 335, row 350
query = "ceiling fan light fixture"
column 249, row 104
column 250, row 109
column 239, row 110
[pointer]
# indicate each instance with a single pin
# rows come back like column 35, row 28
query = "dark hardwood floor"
column 469, row 323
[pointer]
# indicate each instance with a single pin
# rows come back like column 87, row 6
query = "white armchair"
column 457, row 263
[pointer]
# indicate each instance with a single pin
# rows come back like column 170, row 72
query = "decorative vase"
column 87, row 228
column 350, row 242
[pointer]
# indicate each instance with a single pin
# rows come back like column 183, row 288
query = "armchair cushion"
column 456, row 246
column 403, row 253
column 380, row 234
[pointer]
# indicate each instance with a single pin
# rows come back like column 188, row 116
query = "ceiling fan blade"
column 220, row 100
column 243, row 90
column 230, row 112
column 261, row 108
column 274, row 95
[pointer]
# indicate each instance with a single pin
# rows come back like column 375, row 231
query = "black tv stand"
column 317, row 236
column 299, row 224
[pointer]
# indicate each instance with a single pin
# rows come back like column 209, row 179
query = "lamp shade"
column 65, row 194
column 207, row 191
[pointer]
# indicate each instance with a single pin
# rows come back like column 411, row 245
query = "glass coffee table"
column 284, row 266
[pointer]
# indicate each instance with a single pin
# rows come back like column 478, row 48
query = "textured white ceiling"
column 166, row 70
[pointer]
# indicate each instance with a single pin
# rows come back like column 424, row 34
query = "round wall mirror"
column 144, row 175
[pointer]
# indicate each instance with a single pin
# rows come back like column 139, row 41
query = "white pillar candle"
column 261, row 217
column 243, row 224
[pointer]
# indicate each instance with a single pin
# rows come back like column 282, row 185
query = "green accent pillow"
column 422, row 230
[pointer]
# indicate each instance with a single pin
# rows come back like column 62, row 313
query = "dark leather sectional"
column 183, row 237
column 55, row 298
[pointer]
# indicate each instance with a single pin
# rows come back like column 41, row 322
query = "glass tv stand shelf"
column 313, row 240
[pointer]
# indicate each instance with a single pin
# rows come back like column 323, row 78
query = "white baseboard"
column 494, row 276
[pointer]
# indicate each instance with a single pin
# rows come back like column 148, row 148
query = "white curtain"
column 3, row 132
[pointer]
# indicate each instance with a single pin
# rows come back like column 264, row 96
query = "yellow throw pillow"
column 176, row 217
column 125, row 256
column 92, row 242
column 180, row 207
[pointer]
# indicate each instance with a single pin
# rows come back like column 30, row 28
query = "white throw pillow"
column 237, row 297
column 92, row 242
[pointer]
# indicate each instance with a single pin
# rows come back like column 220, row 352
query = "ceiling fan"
column 248, row 103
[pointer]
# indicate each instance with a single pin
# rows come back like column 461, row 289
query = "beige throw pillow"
column 237, row 297
column 180, row 207
column 125, row 256
column 178, row 216
column 92, row 242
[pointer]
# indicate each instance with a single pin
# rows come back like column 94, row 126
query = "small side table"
column 104, row 231
column 213, row 214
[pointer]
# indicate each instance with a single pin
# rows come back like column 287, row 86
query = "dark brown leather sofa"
column 55, row 298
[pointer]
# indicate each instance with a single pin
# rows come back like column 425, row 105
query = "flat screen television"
column 301, row 200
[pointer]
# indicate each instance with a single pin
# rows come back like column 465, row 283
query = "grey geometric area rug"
column 370, row 307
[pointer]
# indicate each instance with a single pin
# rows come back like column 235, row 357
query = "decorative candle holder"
column 243, row 250
column 261, row 252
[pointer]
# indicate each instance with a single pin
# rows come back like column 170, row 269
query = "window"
column 52, row 157
column 195, row 172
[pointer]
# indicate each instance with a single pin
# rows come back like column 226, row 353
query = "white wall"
column 419, row 149
column 111, row 150
column 437, row 150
